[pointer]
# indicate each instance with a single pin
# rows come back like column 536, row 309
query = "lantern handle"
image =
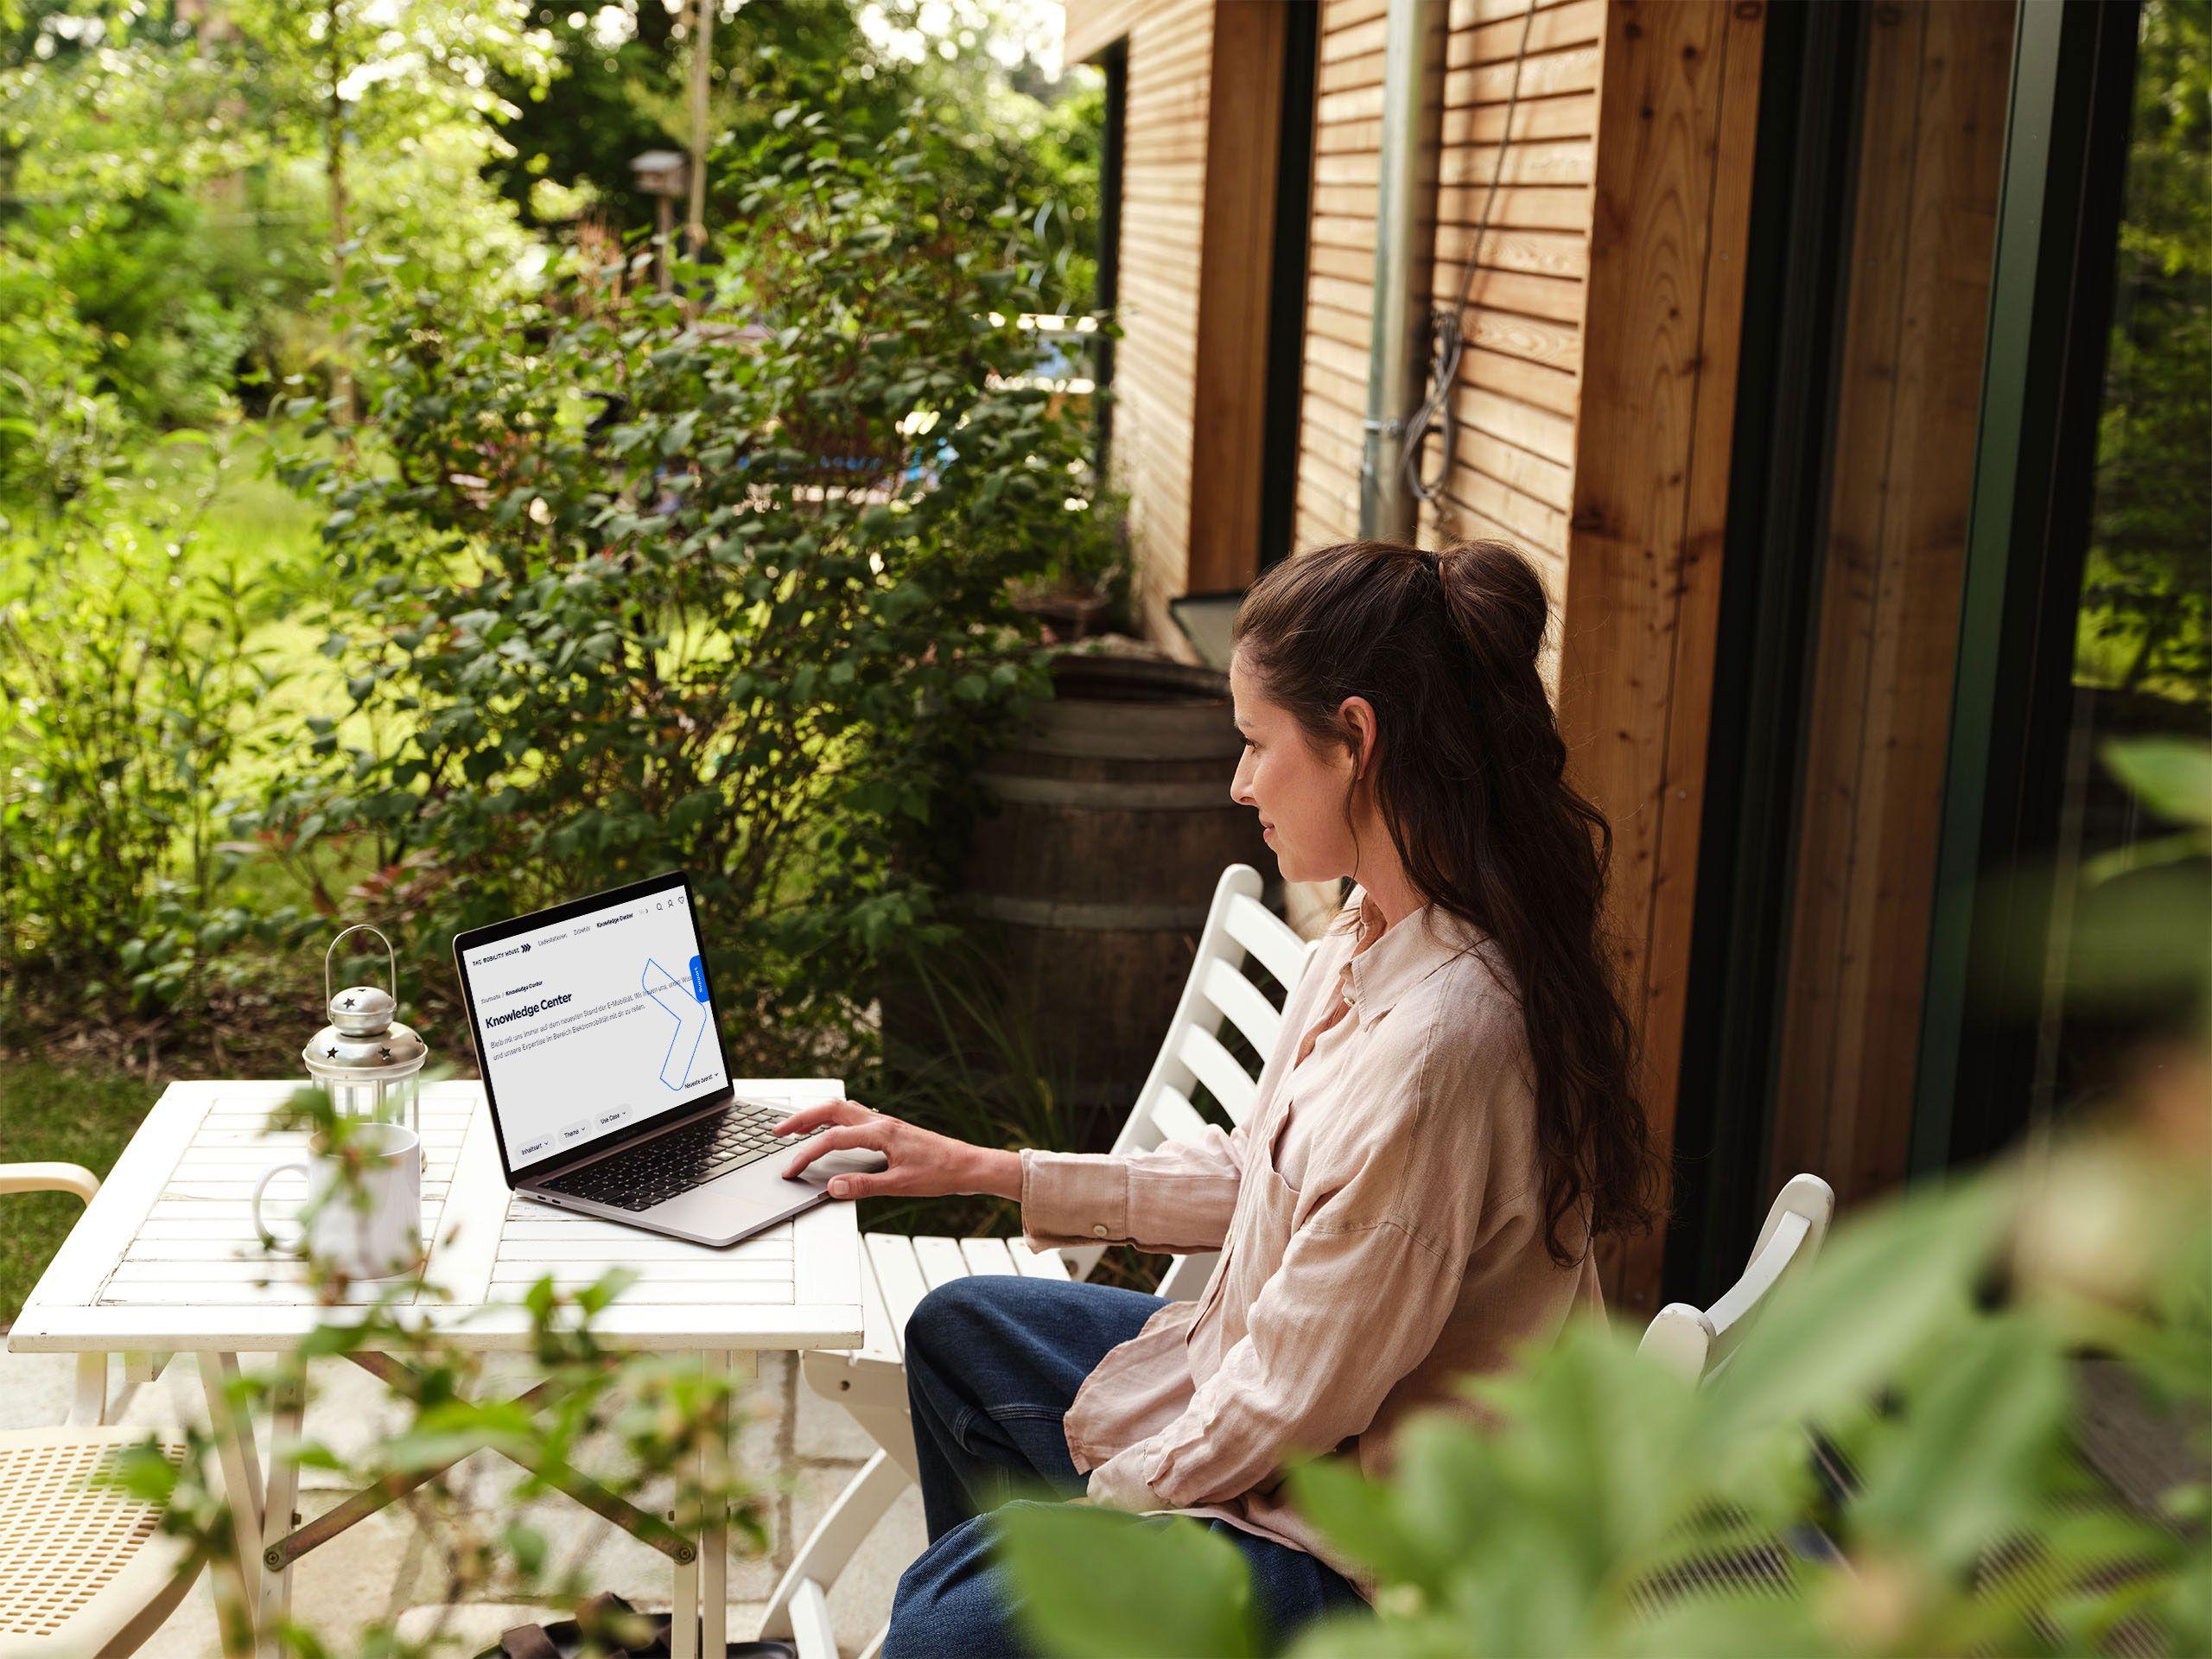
column 391, row 956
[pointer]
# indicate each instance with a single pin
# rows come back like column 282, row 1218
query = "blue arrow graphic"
column 674, row 998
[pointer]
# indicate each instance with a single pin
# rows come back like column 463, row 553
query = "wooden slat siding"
column 1677, row 114
column 1339, row 270
column 1933, row 121
column 1509, row 474
column 1092, row 26
column 1163, row 219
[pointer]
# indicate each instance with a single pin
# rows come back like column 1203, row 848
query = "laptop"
column 610, row 1094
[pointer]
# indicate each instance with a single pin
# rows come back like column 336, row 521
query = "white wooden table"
column 165, row 1260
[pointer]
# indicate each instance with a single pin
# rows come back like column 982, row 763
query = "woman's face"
column 1300, row 794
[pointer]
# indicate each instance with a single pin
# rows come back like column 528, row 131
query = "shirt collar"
column 1384, row 968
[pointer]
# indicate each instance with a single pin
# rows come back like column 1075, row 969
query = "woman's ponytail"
column 1495, row 599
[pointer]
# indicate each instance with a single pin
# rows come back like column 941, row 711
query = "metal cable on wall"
column 1447, row 335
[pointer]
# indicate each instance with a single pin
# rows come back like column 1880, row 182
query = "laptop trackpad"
column 731, row 1206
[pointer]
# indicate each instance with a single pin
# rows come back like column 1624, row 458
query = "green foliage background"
column 2146, row 597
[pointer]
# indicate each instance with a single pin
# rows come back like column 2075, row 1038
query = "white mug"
column 373, row 1232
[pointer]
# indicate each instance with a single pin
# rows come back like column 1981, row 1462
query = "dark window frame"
column 2066, row 138
column 1290, row 254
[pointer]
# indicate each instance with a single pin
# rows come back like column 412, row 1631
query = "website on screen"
column 593, row 1023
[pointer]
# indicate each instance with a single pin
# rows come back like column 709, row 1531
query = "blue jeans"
column 992, row 1365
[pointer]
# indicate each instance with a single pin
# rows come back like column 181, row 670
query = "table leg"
column 713, row 1551
column 277, row 1518
column 684, row 1612
column 242, row 1488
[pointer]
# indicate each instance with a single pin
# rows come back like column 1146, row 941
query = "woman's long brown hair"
column 1470, row 775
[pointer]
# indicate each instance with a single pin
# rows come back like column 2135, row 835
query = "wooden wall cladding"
column 1340, row 270
column 1201, row 146
column 1932, row 145
column 1171, row 66
column 1510, row 472
column 1677, row 114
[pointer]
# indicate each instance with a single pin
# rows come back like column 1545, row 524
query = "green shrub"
column 130, row 689
column 59, row 430
column 753, row 622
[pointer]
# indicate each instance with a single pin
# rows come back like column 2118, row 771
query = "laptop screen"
column 592, row 1018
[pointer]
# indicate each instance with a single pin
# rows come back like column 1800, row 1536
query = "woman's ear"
column 1361, row 733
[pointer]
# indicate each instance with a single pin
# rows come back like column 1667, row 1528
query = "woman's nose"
column 1239, row 787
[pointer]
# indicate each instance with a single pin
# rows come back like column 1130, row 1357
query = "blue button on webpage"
column 699, row 978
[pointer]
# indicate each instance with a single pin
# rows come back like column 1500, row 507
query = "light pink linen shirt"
column 1382, row 1212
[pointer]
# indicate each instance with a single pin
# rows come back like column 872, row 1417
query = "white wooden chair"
column 871, row 1382
column 1698, row 1343
column 83, row 1569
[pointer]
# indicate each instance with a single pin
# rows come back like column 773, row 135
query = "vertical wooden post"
column 1235, row 260
column 703, row 64
column 1677, row 118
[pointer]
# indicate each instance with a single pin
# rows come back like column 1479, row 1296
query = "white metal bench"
column 870, row 1383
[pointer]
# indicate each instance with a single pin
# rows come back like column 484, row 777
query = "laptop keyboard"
column 680, row 1160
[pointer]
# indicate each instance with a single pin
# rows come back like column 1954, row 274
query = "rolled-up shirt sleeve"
column 1178, row 1197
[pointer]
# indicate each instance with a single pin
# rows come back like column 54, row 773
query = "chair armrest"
column 50, row 1178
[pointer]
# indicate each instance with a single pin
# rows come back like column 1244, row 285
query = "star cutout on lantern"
column 384, row 1053
column 344, row 1001
column 330, row 1053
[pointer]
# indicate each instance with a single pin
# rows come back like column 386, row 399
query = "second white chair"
column 1699, row 1343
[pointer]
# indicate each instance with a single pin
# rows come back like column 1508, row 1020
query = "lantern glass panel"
column 356, row 1099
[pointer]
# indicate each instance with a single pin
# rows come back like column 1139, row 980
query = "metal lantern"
column 370, row 1064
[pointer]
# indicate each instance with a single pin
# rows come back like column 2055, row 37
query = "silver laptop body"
column 591, row 1113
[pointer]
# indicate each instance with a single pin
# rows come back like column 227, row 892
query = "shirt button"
column 1098, row 1231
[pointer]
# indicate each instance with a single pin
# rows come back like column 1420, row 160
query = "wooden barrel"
column 1110, row 822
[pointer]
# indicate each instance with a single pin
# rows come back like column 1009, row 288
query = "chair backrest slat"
column 1698, row 1344
column 1256, row 1019
column 1767, row 1267
column 1218, row 1069
column 1279, row 949
column 1175, row 1118
column 1218, row 991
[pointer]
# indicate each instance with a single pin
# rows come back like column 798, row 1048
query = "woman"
column 1447, row 1120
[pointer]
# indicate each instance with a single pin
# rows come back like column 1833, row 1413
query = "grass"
column 50, row 1113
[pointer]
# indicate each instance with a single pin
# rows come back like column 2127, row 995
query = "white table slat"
column 737, row 1268
column 639, row 1251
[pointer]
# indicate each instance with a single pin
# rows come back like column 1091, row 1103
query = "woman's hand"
column 922, row 1163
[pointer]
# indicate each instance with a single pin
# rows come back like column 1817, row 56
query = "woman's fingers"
column 875, row 1137
column 828, row 1111
column 862, row 1186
